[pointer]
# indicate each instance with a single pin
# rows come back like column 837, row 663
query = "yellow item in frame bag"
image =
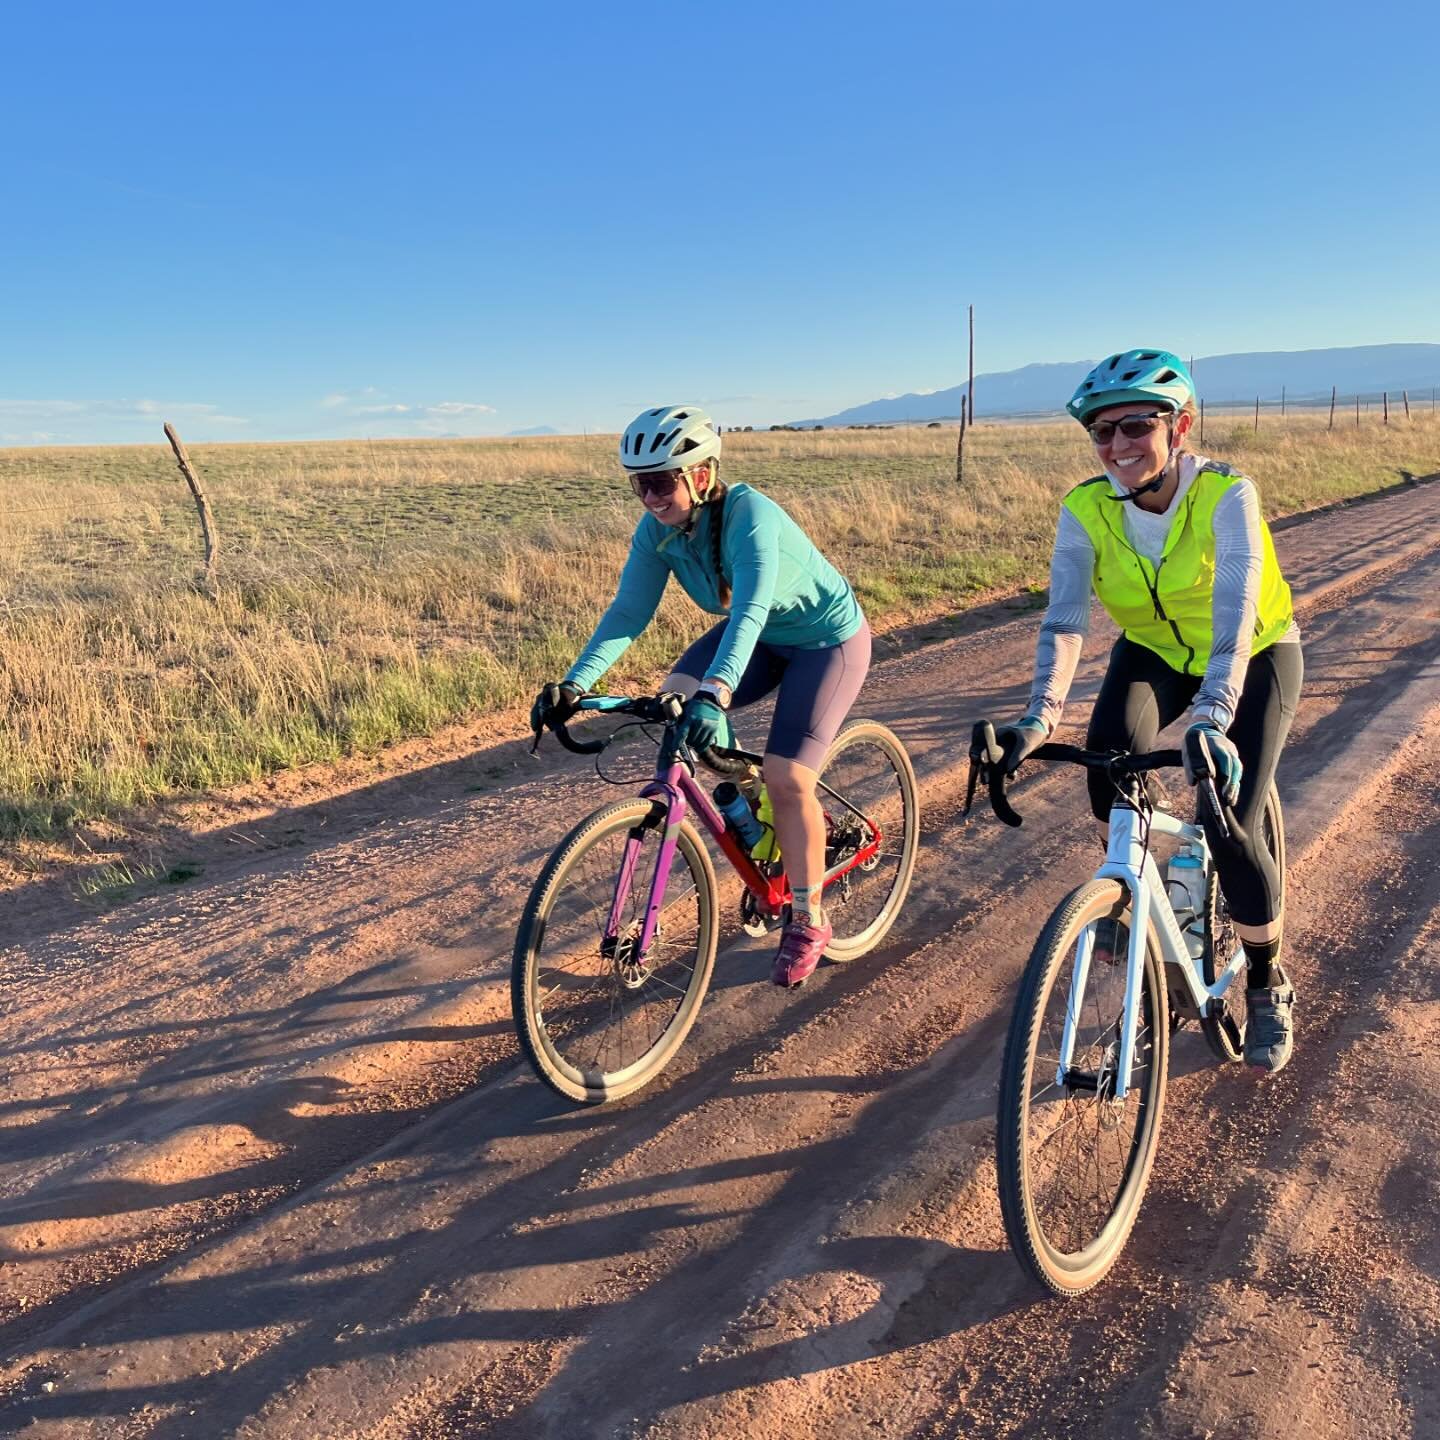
column 768, row 847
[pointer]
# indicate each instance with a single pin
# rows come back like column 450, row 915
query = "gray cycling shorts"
column 817, row 688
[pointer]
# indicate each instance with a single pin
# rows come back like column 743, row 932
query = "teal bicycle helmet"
column 1133, row 377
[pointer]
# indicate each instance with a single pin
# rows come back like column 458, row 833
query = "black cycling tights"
column 1141, row 695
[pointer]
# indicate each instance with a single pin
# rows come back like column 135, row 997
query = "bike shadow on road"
column 719, row 1232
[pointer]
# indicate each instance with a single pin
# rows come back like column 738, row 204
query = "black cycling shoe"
column 1269, row 1029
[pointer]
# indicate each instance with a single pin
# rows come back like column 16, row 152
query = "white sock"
column 807, row 902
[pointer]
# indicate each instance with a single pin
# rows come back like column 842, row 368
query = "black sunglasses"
column 658, row 483
column 1132, row 427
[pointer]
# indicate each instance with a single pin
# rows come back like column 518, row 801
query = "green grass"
column 375, row 591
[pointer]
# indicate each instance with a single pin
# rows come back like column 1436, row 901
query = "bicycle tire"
column 561, row 938
column 867, row 764
column 1224, row 1027
column 1043, row 1222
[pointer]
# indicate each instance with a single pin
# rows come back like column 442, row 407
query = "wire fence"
column 87, row 524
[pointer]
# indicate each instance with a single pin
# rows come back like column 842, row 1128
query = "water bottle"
column 738, row 814
column 1185, row 885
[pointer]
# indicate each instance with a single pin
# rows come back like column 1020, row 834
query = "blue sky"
column 275, row 221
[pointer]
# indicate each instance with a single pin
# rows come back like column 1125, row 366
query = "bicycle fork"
column 1128, row 861
column 1113, row 1083
column 629, row 950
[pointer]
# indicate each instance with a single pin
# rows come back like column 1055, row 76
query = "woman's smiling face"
column 1132, row 460
column 670, row 500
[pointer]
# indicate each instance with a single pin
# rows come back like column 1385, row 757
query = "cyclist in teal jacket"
column 792, row 624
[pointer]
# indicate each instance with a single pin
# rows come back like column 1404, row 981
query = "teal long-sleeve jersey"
column 783, row 590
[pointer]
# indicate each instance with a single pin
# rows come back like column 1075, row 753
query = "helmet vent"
column 1129, row 375
column 1166, row 376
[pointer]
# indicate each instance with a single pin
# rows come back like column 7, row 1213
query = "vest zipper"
column 1160, row 614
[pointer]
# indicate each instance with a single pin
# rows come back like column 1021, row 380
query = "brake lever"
column 987, row 763
column 1217, row 810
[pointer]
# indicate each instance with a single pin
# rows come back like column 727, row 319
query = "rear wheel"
column 1073, row 1161
column 1224, row 1027
column 867, row 785
column 596, row 1018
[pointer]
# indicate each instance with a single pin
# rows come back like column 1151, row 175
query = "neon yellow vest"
column 1167, row 608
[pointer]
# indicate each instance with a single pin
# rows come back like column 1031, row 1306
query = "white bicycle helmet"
column 669, row 437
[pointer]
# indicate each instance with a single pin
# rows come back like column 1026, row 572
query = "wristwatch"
column 719, row 689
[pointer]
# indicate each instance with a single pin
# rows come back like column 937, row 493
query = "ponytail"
column 716, row 509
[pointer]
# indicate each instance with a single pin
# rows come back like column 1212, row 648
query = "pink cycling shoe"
column 801, row 947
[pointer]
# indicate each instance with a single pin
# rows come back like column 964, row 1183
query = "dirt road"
column 271, row 1166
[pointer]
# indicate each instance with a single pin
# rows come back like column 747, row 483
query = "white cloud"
column 459, row 407
column 432, row 417
column 185, row 410
column 41, row 409
column 81, row 411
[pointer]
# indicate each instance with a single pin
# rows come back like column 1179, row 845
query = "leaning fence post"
column 1257, row 414
column 207, row 517
column 1405, row 396
column 1331, row 425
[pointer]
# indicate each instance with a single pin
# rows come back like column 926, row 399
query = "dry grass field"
column 371, row 591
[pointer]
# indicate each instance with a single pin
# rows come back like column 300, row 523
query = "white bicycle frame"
column 1129, row 861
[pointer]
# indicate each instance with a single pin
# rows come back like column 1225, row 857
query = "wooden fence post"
column 1387, row 407
column 1331, row 425
column 207, row 518
column 960, row 445
column 1282, row 402
column 972, row 366
column 1257, row 414
column 1405, row 396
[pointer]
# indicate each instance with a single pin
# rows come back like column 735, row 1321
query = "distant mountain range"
column 535, row 430
column 1221, row 379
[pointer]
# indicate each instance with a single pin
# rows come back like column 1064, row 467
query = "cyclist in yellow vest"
column 1174, row 546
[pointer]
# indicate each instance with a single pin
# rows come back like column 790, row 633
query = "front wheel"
column 1073, row 1160
column 867, row 789
column 597, row 1018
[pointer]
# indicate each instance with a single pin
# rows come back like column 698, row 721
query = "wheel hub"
column 631, row 968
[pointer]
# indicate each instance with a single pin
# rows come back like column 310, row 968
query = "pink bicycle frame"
column 678, row 789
